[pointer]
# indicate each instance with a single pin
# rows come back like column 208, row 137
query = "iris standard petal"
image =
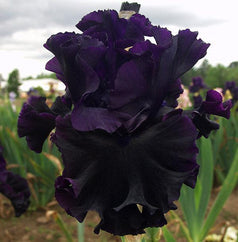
column 189, row 51
column 106, row 21
column 132, row 82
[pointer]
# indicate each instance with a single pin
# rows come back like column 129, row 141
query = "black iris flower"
column 126, row 147
column 14, row 188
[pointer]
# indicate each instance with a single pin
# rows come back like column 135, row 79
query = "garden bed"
column 34, row 225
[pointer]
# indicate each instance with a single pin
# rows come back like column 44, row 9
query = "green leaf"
column 168, row 236
column 227, row 188
column 205, row 178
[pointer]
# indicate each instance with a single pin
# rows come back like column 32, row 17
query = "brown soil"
column 36, row 226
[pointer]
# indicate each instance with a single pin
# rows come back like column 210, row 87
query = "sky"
column 25, row 26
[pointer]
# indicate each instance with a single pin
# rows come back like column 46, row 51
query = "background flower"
column 14, row 188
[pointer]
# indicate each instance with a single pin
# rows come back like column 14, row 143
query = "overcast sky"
column 25, row 25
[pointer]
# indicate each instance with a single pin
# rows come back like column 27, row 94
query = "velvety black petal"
column 36, row 120
column 102, row 174
column 213, row 105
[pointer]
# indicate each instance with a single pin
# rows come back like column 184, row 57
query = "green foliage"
column 214, row 76
column 13, row 82
column 194, row 203
column 43, row 75
column 225, row 144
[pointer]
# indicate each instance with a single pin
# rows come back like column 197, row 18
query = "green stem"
column 80, row 232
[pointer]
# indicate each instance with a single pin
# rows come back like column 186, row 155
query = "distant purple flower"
column 14, row 188
column 212, row 105
column 233, row 89
column 197, row 84
column 230, row 85
column 122, row 141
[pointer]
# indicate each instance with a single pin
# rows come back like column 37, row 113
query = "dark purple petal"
column 204, row 124
column 163, row 37
column 132, row 82
column 36, row 120
column 140, row 114
column 55, row 42
column 91, row 118
column 81, row 78
column 54, row 66
column 213, row 105
column 174, row 91
column 189, row 51
column 149, row 171
column 35, row 124
column 138, row 26
column 76, row 57
column 107, row 22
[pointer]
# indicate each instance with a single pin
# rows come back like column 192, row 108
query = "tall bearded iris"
column 123, row 142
